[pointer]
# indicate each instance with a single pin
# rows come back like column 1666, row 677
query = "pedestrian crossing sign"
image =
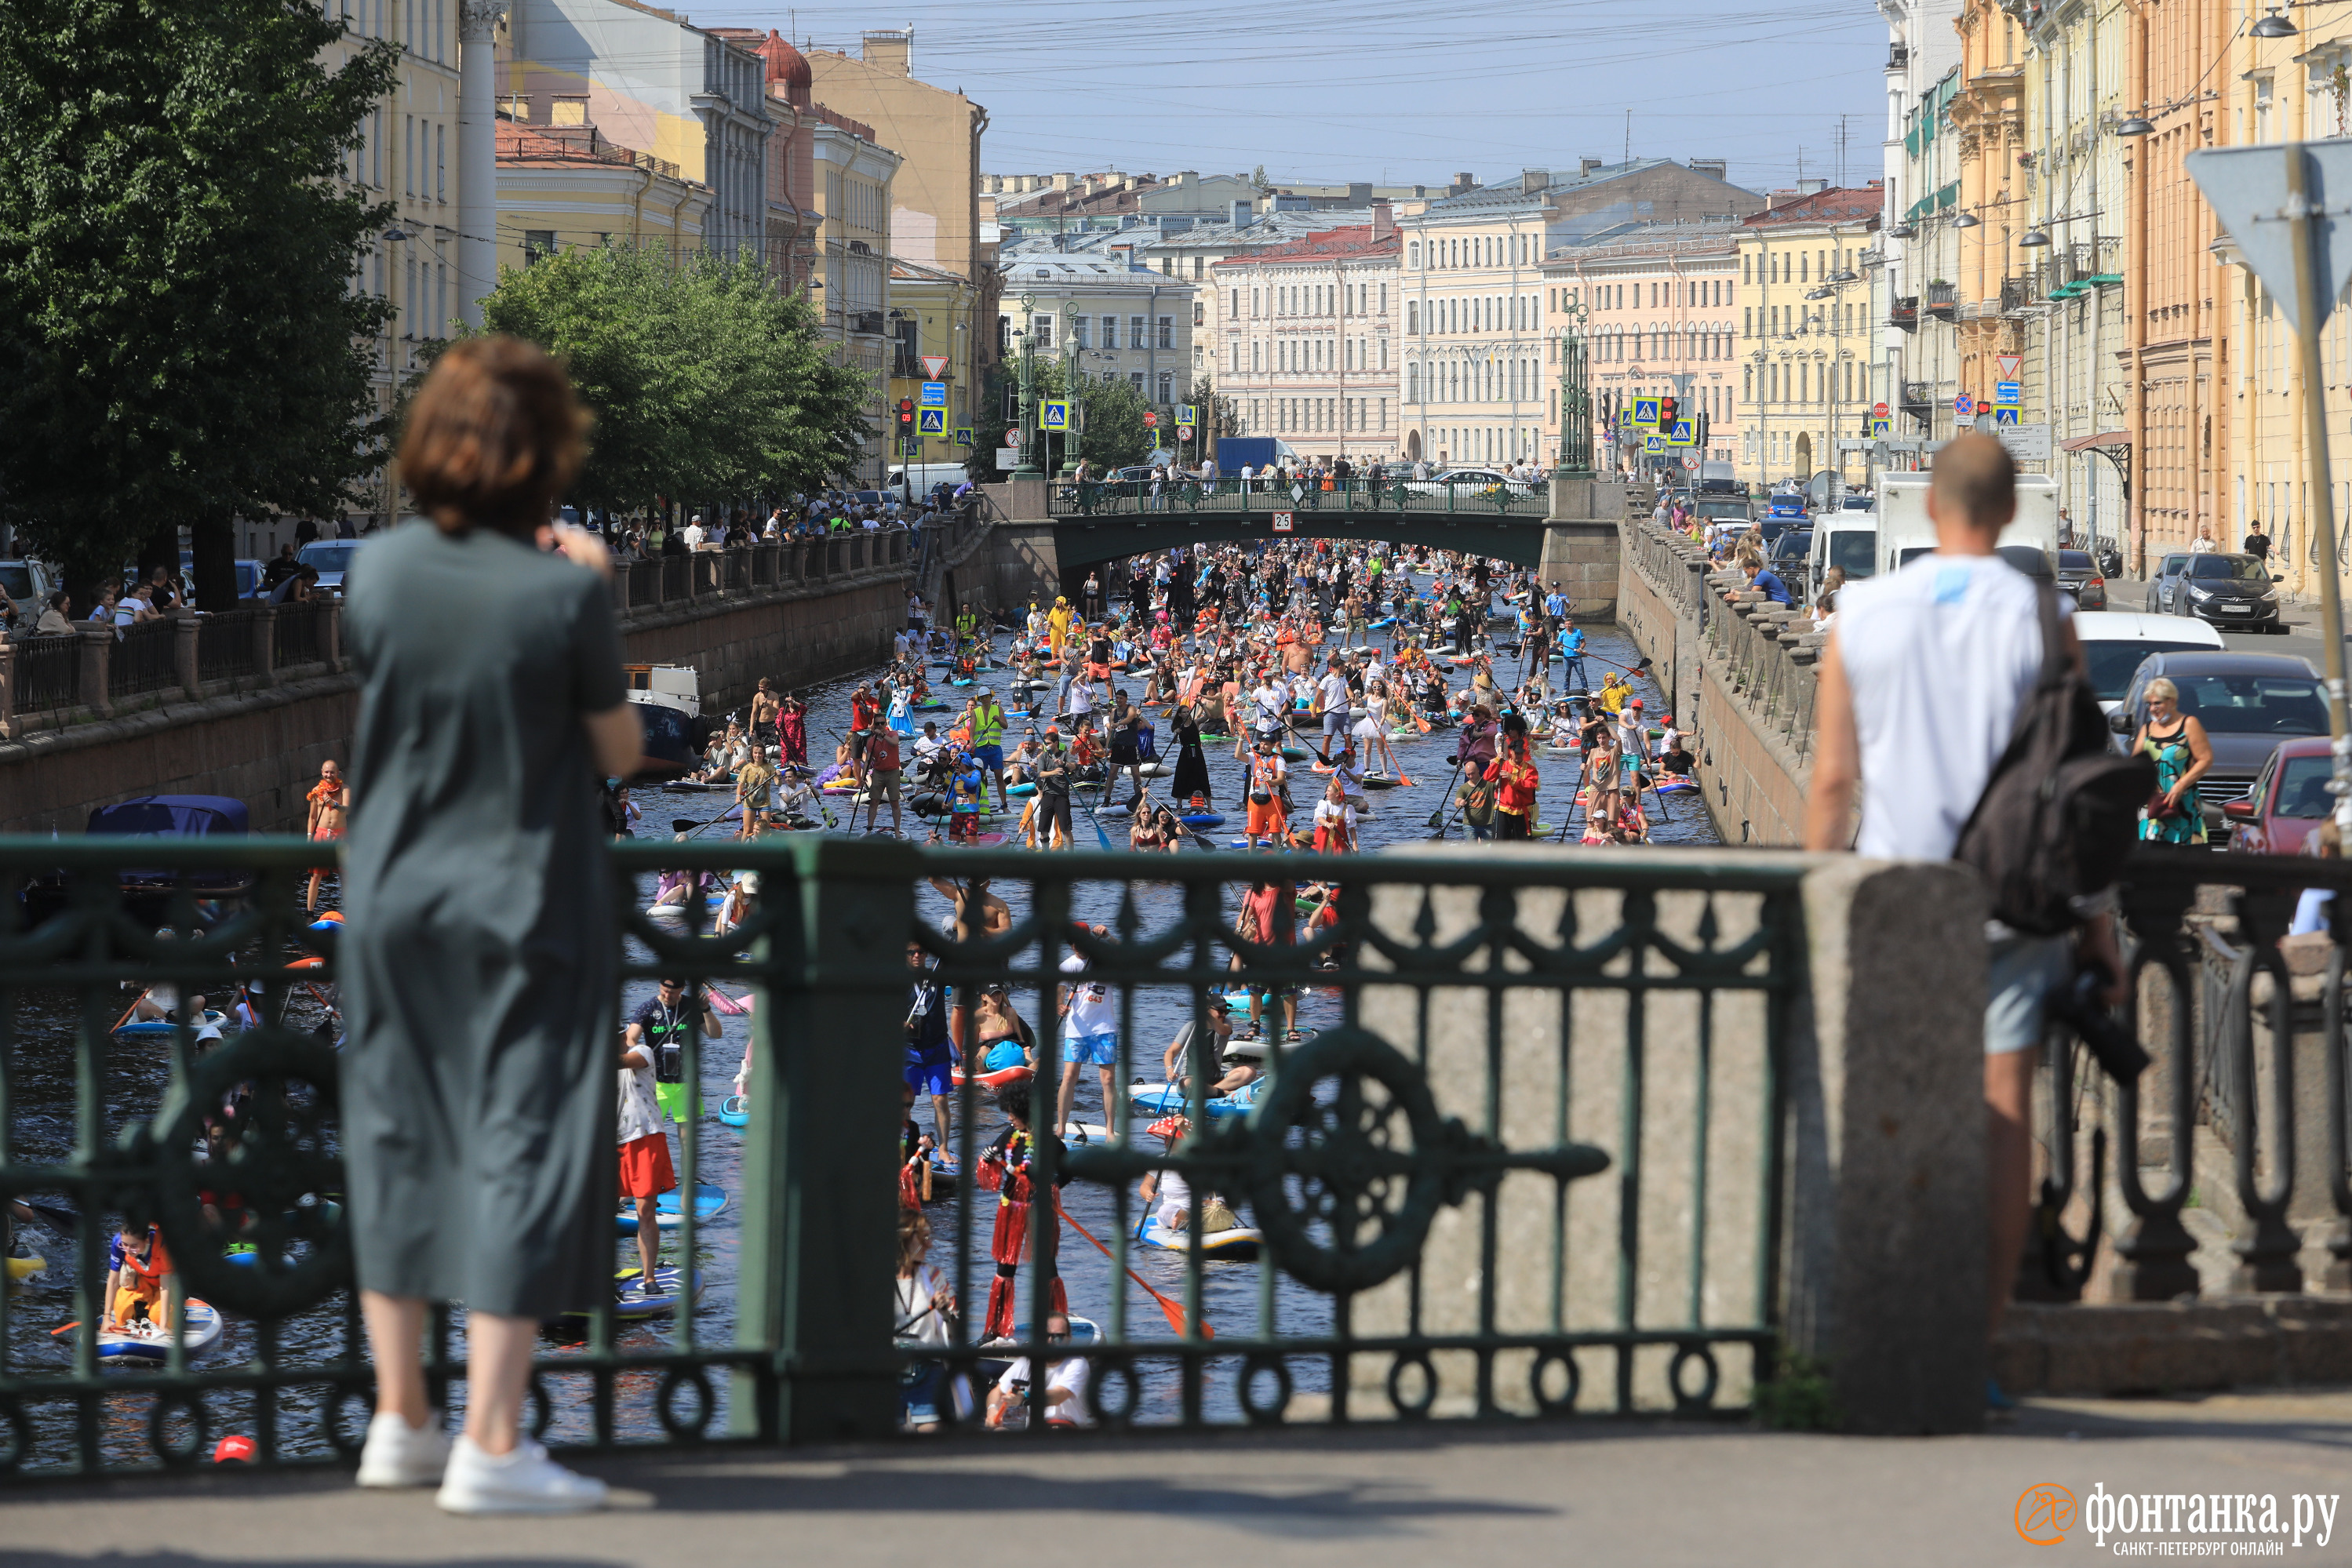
column 1183, row 413
column 2004, row 415
column 1654, row 443
column 1646, row 413
column 1683, row 435
column 935, row 394
column 963, row 435
column 1055, row 414
column 934, row 421
column 1880, row 426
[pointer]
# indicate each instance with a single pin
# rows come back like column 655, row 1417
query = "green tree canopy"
column 703, row 379
column 182, row 337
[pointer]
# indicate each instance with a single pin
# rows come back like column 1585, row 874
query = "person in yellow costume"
column 1057, row 625
column 1613, row 692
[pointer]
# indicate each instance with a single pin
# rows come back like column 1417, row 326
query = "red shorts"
column 1266, row 819
column 1097, row 672
column 646, row 1170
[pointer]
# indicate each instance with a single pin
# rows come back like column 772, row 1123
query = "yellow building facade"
column 1805, row 333
column 559, row 191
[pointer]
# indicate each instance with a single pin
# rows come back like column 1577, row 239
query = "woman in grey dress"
column 477, row 952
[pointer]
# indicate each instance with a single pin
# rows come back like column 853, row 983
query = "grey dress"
column 477, row 954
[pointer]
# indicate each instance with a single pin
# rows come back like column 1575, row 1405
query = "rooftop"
column 1842, row 203
column 555, row 146
column 1357, row 239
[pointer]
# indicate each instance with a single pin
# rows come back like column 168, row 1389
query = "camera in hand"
column 2079, row 1008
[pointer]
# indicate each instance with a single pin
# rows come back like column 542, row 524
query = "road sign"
column 1653, row 445
column 2026, row 443
column 963, row 435
column 1690, row 461
column 1150, row 419
column 1055, row 414
column 2007, row 394
column 1282, row 522
column 2004, row 415
column 1184, row 415
column 2012, row 366
column 934, row 421
column 1185, row 434
column 911, row 447
column 2247, row 187
column 1964, row 405
column 1646, row 413
column 1012, row 435
column 1878, row 410
column 1681, row 434
column 1880, row 425
column 935, row 367
column 935, row 395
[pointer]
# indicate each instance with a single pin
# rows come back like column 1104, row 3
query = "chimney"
column 891, row 49
column 1061, row 182
column 1383, row 220
column 1464, row 183
column 1243, row 212
column 1360, row 192
column 1812, row 187
column 1713, row 168
column 1586, row 165
column 1533, row 180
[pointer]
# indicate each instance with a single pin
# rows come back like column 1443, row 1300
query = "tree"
column 1114, row 435
column 177, row 314
column 702, row 378
column 1219, row 414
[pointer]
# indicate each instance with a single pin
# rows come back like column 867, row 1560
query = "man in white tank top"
column 1920, row 684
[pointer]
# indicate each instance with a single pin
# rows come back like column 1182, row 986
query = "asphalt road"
column 2302, row 622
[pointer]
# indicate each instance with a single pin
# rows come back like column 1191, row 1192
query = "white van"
column 1848, row 541
column 911, row 481
column 2115, row 641
column 1905, row 530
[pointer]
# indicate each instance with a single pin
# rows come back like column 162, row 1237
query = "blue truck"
column 1254, row 451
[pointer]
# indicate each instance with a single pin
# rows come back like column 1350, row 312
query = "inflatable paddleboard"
column 1017, row 791
column 1085, row 1132
column 26, row 1267
column 149, row 1028
column 711, row 903
column 1001, row 1077
column 149, row 1344
column 669, row 1283
column 1239, row 1242
column 1676, row 786
column 1167, row 1098
column 977, row 842
column 1155, row 771
column 708, row 1201
column 1203, row 820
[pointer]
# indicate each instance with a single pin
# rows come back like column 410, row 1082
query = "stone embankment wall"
column 1740, row 672
column 261, row 738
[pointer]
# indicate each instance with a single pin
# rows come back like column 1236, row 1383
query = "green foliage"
column 703, row 379
column 1113, row 435
column 181, row 338
column 1798, row 1397
column 1218, row 414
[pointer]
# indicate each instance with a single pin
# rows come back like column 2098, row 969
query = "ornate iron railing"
column 1521, row 1139
column 144, row 659
column 1402, row 499
column 47, row 674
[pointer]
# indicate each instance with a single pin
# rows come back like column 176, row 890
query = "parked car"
column 2248, row 703
column 29, row 583
column 2288, row 802
column 333, row 559
column 248, row 574
column 1787, row 556
column 2079, row 575
column 1469, row 484
column 2114, row 642
column 2160, row 586
column 2229, row 590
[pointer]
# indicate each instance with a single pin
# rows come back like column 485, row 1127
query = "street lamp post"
column 1071, row 438
column 1030, row 434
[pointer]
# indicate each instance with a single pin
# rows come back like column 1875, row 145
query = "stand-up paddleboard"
column 1202, row 820
column 735, row 1111
column 1169, row 1099
column 1001, row 1077
column 149, row 1343
column 668, row 1211
column 148, row 1027
column 1076, row 1133
column 669, row 1282
column 1240, row 1242
column 1016, row 791
column 25, row 1267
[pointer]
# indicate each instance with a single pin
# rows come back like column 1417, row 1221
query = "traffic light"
column 1702, row 427
column 905, row 416
column 1668, row 411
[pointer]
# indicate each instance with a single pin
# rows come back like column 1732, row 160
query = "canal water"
column 40, row 1111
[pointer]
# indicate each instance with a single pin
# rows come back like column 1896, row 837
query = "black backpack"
column 2061, row 809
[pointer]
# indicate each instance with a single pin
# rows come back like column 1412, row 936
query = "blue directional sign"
column 935, row 395
column 2004, row 415
column 1646, row 413
column 1053, row 414
column 932, row 421
column 1685, row 433
column 2007, row 394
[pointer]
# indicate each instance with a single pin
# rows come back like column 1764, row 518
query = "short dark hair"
column 1975, row 474
column 1015, row 1103
column 494, row 436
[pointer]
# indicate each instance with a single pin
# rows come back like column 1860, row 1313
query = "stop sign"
column 1150, row 419
column 1878, row 410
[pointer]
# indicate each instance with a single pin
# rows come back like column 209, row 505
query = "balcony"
column 1943, row 301
column 1905, row 313
column 1917, row 400
column 866, row 321
column 2017, row 293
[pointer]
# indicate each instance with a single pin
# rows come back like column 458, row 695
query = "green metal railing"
column 1259, row 497
column 1522, row 1140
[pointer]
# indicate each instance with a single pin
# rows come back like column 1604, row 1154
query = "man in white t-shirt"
column 694, row 534
column 1331, row 695
column 1089, row 1030
column 1066, row 1382
column 1920, row 684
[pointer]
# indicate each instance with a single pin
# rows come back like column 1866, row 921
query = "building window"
column 1135, row 378
column 1041, row 331
column 1167, row 331
column 1413, row 254
column 1135, row 335
column 1110, row 332
column 537, row 243
column 441, row 163
column 1078, row 332
column 1200, row 312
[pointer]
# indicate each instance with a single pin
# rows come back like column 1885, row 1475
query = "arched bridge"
column 1098, row 522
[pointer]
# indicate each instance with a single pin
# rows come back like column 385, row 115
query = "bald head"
column 1973, row 488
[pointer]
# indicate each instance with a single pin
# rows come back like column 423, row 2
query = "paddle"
column 1175, row 1311
column 55, row 1215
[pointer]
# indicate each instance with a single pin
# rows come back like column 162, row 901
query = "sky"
column 1394, row 91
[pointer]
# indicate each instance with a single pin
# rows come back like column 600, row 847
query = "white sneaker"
column 399, row 1455
column 522, row 1481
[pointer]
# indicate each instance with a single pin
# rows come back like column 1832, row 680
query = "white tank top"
column 1939, row 658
